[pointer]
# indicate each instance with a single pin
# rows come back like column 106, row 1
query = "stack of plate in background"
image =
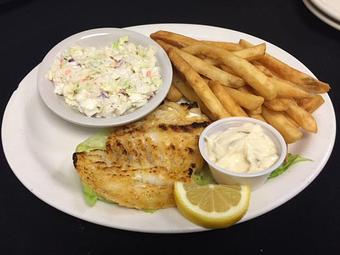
column 326, row 10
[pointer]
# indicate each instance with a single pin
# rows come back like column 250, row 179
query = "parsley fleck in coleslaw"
column 108, row 81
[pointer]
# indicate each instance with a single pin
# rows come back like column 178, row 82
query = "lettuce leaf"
column 91, row 198
column 95, row 142
column 117, row 44
column 149, row 210
column 203, row 176
column 89, row 195
column 290, row 160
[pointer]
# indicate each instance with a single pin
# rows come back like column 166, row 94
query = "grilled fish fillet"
column 143, row 160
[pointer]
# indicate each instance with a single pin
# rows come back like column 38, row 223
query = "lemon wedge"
column 212, row 205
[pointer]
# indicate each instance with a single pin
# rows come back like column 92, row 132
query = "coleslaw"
column 107, row 81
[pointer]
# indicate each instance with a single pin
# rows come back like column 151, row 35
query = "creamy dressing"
column 242, row 149
column 106, row 81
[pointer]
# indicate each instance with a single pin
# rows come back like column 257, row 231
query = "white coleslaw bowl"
column 98, row 38
column 227, row 176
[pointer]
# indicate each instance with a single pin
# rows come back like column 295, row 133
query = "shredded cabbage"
column 106, row 81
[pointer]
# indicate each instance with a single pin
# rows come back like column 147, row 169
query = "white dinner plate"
column 46, row 142
column 312, row 8
column 330, row 7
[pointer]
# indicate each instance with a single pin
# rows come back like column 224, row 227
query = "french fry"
column 185, row 89
column 278, row 120
column 246, row 89
column 253, row 53
column 190, row 94
column 166, row 46
column 264, row 69
column 212, row 72
column 287, row 89
column 289, row 73
column 215, row 62
column 252, row 112
column 245, row 100
column 226, row 100
column 306, row 88
column 227, row 69
column 224, row 45
column 206, row 111
column 256, row 111
column 276, row 104
column 312, row 103
column 257, row 116
column 301, row 116
column 254, row 77
column 210, row 61
column 205, row 69
column 177, row 40
column 229, row 79
column 284, row 88
column 174, row 94
column 198, row 84
column 291, row 120
column 314, row 89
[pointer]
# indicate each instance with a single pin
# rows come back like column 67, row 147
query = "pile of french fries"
column 241, row 79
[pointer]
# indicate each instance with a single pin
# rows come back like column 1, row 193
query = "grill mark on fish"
column 75, row 159
column 184, row 128
column 190, row 150
column 163, row 127
column 190, row 171
column 190, row 105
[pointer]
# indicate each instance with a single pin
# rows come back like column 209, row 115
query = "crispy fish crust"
column 143, row 160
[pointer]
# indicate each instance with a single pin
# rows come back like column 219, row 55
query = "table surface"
column 309, row 223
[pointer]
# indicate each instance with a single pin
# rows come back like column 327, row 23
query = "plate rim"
column 325, row 8
column 188, row 230
column 309, row 5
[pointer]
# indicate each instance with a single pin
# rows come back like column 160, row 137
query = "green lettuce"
column 89, row 195
column 95, row 142
column 203, row 176
column 149, row 210
column 117, row 44
column 91, row 198
column 290, row 160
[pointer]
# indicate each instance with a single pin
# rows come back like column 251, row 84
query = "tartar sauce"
column 243, row 149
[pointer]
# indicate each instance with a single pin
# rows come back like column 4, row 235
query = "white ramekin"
column 225, row 176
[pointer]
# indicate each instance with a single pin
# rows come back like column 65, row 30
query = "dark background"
column 308, row 224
